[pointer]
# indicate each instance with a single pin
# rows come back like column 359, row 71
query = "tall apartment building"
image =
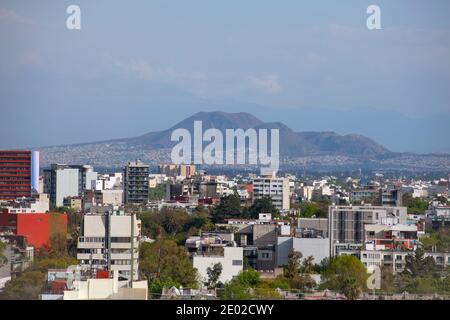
column 346, row 224
column 110, row 241
column 274, row 187
column 61, row 181
column 135, row 182
column 19, row 173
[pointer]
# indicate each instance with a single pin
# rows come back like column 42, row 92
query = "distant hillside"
column 297, row 149
column 291, row 143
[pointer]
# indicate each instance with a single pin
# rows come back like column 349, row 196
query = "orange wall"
column 37, row 227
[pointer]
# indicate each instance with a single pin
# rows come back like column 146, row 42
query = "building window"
column 265, row 255
column 237, row 262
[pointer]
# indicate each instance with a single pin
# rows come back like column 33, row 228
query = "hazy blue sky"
column 139, row 66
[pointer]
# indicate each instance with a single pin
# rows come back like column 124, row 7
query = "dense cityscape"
column 178, row 232
column 203, row 159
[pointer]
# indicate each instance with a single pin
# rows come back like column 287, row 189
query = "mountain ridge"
column 292, row 143
column 307, row 149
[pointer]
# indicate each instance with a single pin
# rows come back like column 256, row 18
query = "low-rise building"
column 346, row 224
column 37, row 228
column 397, row 259
column 103, row 289
column 36, row 203
column 232, row 261
column 315, row 247
column 18, row 257
column 396, row 237
column 74, row 203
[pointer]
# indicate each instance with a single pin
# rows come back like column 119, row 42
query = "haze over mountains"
column 291, row 143
column 297, row 149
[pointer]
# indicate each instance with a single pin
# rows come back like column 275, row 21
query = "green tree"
column 240, row 288
column 234, row 290
column 2, row 253
column 199, row 220
column 173, row 221
column 174, row 224
column 157, row 193
column 438, row 240
column 263, row 205
column 213, row 275
column 307, row 210
column 318, row 209
column 249, row 285
column 30, row 283
column 157, row 285
column 299, row 271
column 417, row 265
column 63, row 210
column 307, row 266
column 280, row 282
column 414, row 205
column 28, row 286
column 265, row 291
column 166, row 261
column 388, row 280
column 249, row 278
column 347, row 275
column 322, row 266
column 292, row 268
column 228, row 208
column 43, row 264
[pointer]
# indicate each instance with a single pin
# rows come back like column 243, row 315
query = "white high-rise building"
column 274, row 187
column 61, row 181
column 110, row 241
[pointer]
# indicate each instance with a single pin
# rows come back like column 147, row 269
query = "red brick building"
column 15, row 174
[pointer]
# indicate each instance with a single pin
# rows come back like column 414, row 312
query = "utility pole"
column 158, row 272
column 132, row 251
column 108, row 240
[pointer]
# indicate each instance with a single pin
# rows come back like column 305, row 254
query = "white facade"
column 107, row 289
column 111, row 197
column 275, row 188
column 232, row 263
column 92, row 244
column 67, row 183
column 306, row 192
column 108, row 181
column 318, row 248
